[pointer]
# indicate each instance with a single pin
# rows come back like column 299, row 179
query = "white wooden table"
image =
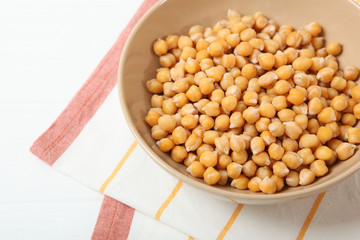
column 47, row 51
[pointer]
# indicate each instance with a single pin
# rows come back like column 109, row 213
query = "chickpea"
column 355, row 93
column 240, row 182
column 172, row 41
column 292, row 179
column 209, row 158
column 286, row 115
column 317, row 63
column 236, row 120
column 292, row 160
column 263, row 172
column 348, row 119
column 156, row 101
column 309, row 141
column 280, row 169
column 249, row 71
column 188, row 109
column 152, row 118
column 165, row 144
column 291, row 54
column 266, row 61
column 356, row 110
column 163, row 75
column 233, row 91
column 233, row 39
column 306, row 177
column 325, row 75
column 343, row 132
column 294, row 39
column 222, row 122
column 196, row 169
column 227, row 81
column 154, row 86
column 271, row 46
column 192, row 65
column 279, row 103
column 250, row 98
column 249, row 168
column 323, row 153
column 281, row 87
column 254, row 183
column 345, row 150
column 185, row 41
column 338, row 83
column 333, row 48
column 325, row 134
column 215, row 49
column 281, row 59
column 339, row 103
column 222, row 144
column 178, row 153
column 296, row 96
column 318, row 43
column 190, row 121
column 212, row 109
column 190, row 158
column 239, row 157
column 267, row 110
column 251, row 115
column 261, row 159
column 234, row 170
column 301, row 109
column 247, row 34
column 167, row 60
column 267, row 186
column 167, row 123
column 244, row 49
column 237, row 27
column 160, row 47
column 211, row 176
column 267, row 80
column 306, row 155
column 280, row 38
column 302, row 63
column 262, row 124
column 179, row 135
column 319, row 168
column 250, row 130
column 327, row 115
column 257, row 43
column 275, row 151
column 301, row 79
column 314, row 28
column 351, row 72
column 216, row 73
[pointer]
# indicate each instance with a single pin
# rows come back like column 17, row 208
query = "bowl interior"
column 138, row 64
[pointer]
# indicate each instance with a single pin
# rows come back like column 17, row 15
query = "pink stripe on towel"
column 114, row 220
column 60, row 135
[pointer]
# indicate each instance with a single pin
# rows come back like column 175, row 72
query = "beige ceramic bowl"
column 339, row 18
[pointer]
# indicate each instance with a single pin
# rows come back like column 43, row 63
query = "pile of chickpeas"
column 254, row 104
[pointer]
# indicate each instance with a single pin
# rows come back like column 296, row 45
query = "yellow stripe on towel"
column 310, row 216
column 230, row 222
column 168, row 200
column 120, row 164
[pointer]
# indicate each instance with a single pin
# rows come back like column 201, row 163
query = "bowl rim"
column 281, row 196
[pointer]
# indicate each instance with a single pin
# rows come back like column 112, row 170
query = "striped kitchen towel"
column 91, row 143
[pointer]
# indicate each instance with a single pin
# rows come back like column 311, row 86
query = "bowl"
column 138, row 64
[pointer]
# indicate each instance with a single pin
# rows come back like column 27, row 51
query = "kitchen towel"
column 90, row 142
